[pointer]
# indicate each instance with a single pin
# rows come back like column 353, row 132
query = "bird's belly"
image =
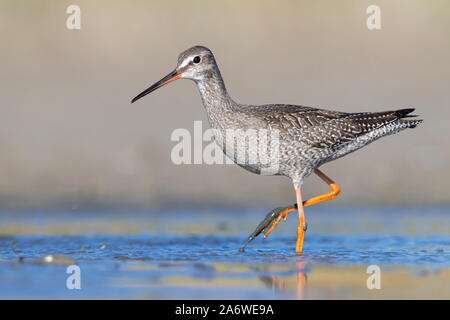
column 251, row 153
column 284, row 155
column 252, row 168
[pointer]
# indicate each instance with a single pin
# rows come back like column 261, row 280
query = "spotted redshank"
column 306, row 137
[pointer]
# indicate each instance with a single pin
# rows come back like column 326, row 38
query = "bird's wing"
column 332, row 129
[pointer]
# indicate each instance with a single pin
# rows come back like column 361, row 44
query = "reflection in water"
column 210, row 267
column 301, row 279
column 179, row 261
column 280, row 285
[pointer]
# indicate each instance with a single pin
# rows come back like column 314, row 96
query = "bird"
column 302, row 138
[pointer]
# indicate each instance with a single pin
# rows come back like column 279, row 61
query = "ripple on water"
column 319, row 249
column 186, row 266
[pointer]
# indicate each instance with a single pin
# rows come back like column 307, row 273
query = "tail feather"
column 405, row 113
column 374, row 120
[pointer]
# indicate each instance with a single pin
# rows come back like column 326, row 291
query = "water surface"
column 194, row 254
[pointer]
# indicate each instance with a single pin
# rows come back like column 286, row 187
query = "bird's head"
column 195, row 63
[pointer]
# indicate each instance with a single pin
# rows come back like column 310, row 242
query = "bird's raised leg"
column 335, row 190
column 269, row 223
column 273, row 218
column 283, row 215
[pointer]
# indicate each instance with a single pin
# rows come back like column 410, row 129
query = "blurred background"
column 70, row 139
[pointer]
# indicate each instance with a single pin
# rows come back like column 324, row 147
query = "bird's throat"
column 216, row 100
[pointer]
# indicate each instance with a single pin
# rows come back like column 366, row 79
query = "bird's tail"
column 395, row 119
column 403, row 114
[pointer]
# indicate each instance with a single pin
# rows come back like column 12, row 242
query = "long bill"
column 174, row 75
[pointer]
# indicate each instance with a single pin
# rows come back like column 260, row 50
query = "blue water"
column 178, row 259
column 319, row 249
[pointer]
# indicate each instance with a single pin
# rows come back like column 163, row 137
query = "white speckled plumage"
column 308, row 137
column 281, row 139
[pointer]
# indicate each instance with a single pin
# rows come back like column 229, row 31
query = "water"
column 194, row 254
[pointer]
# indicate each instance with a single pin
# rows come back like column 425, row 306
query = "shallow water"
column 194, row 254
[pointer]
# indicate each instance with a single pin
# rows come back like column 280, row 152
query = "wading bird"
column 306, row 137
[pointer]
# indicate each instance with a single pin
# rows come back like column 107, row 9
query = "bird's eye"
column 196, row 59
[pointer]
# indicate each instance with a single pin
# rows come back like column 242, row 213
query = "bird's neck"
column 217, row 102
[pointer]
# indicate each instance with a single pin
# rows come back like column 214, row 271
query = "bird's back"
column 330, row 134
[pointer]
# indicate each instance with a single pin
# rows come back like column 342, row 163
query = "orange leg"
column 301, row 229
column 283, row 215
column 335, row 190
